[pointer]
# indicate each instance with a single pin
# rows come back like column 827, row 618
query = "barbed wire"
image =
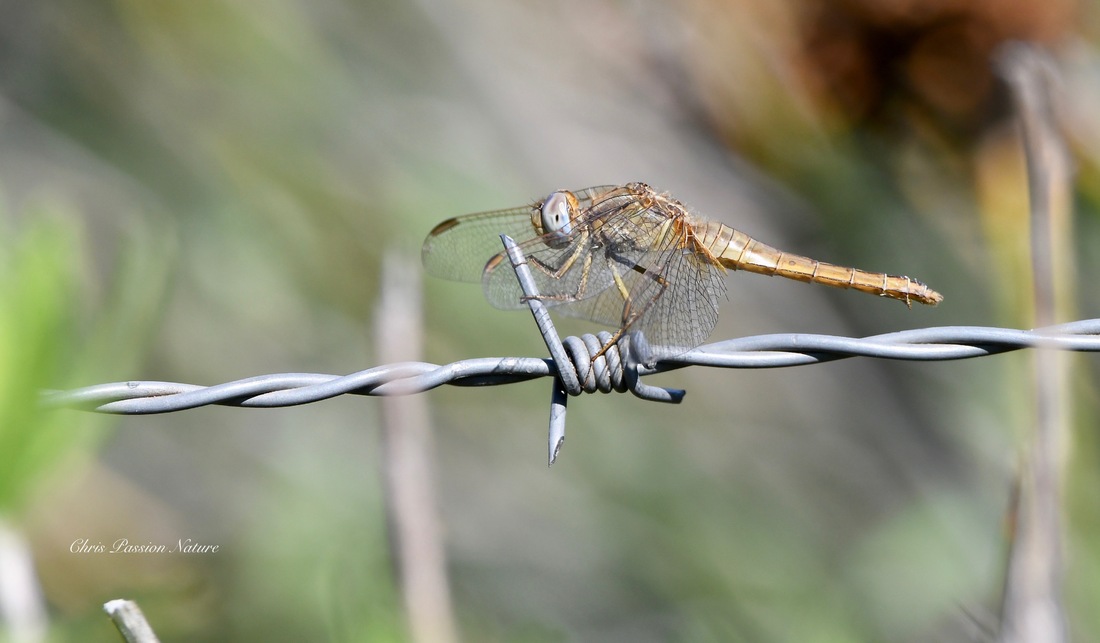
column 573, row 367
column 608, row 371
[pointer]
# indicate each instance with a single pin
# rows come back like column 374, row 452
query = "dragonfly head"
column 554, row 217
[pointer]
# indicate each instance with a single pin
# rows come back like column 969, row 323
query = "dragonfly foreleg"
column 559, row 272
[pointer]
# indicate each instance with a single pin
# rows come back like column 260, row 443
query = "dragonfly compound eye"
column 556, row 214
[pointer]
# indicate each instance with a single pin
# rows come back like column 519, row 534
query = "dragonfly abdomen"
column 738, row 251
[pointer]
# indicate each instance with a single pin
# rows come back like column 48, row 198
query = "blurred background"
column 204, row 190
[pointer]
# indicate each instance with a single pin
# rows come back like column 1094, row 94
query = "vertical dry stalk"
column 130, row 621
column 1033, row 606
column 409, row 473
column 23, row 616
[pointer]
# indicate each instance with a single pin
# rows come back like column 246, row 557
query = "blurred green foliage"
column 37, row 286
column 54, row 335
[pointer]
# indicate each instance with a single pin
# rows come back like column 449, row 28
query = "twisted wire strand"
column 923, row 344
column 604, row 375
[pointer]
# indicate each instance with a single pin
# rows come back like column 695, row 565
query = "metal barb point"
column 559, row 399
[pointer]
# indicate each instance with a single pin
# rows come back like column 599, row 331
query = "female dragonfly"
column 630, row 258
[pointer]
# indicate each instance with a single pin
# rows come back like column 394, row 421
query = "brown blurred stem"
column 409, row 472
column 1033, row 606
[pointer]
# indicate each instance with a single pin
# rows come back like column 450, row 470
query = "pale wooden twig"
column 409, row 471
column 130, row 622
column 1033, row 609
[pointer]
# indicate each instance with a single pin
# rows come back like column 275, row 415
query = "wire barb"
column 584, row 365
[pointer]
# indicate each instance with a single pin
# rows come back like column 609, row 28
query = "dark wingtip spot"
column 443, row 227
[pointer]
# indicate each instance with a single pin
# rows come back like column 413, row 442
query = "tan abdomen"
column 738, row 251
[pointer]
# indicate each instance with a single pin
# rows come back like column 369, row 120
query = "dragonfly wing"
column 459, row 248
column 675, row 303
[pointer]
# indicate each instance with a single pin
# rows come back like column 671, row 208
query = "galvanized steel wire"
column 761, row 351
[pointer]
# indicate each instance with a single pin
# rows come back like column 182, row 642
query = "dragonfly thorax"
column 554, row 217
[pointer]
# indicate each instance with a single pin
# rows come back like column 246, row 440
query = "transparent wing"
column 677, row 312
column 459, row 248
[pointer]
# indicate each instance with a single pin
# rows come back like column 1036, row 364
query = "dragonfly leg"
column 630, row 315
column 620, row 284
column 610, row 342
column 582, row 284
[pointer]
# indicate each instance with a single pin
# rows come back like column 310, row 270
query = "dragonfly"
column 631, row 258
